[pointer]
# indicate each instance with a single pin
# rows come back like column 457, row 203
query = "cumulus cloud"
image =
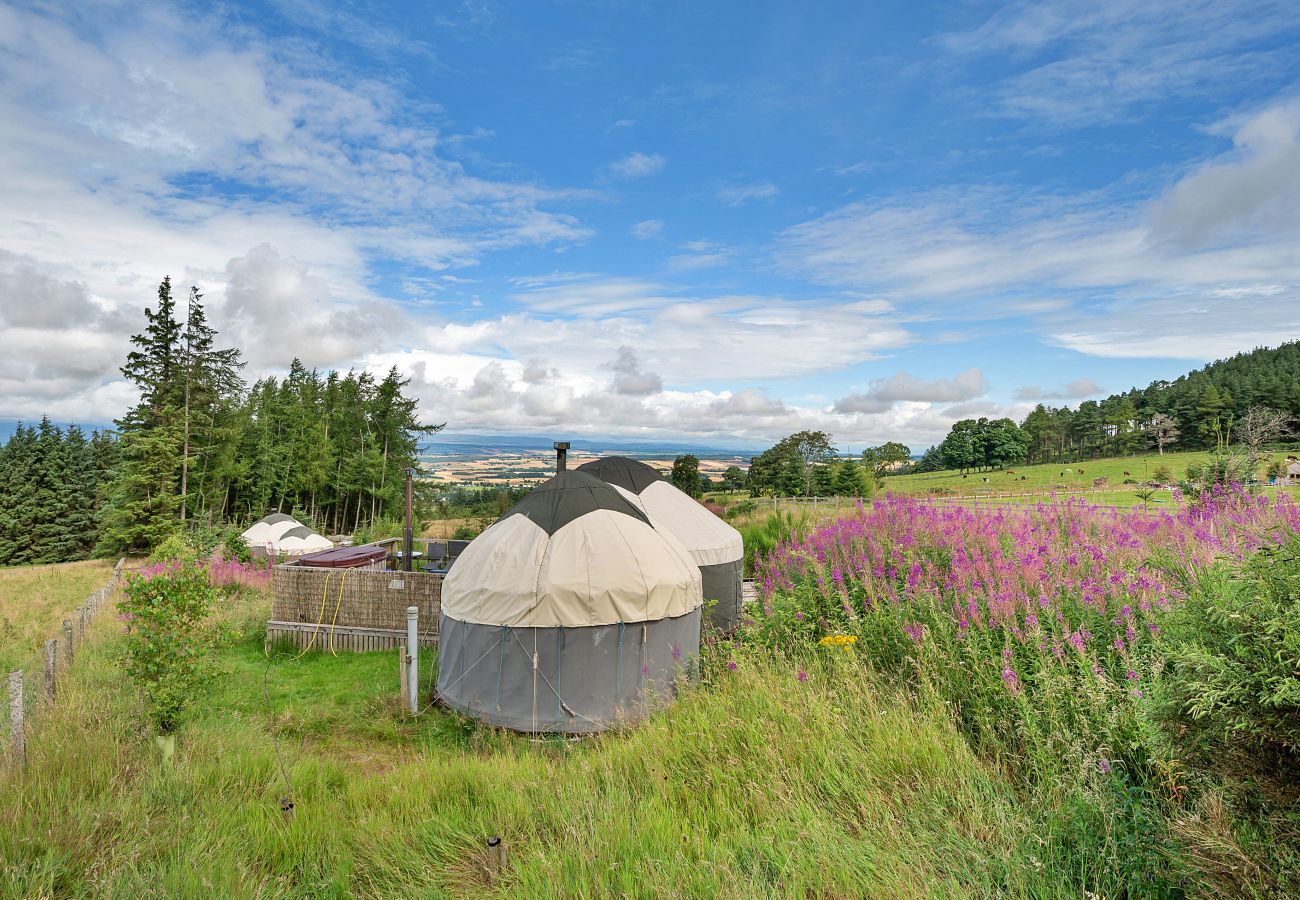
column 630, row 378
column 637, row 165
column 1075, row 390
column 903, row 386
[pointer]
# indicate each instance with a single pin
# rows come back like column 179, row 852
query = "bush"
column 1162, row 474
column 166, row 651
column 465, row 533
column 1225, row 468
column 743, row 508
column 176, row 548
column 236, row 548
column 1232, row 685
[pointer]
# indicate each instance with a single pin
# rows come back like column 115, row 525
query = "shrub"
column 1232, row 685
column 236, row 548
column 176, row 548
column 1224, row 469
column 1162, row 474
column 743, row 508
column 166, row 651
column 465, row 533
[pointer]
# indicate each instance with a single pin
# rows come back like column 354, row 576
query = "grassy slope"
column 34, row 600
column 757, row 785
column 1043, row 478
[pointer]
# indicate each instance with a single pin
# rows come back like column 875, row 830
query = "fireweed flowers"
column 1058, row 604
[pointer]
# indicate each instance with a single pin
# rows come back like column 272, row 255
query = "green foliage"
column 686, row 474
column 1224, row 468
column 793, row 466
column 761, row 538
column 1232, row 686
column 1162, row 474
column 50, row 492
column 890, row 457
column 465, row 533
column 743, row 508
column 235, row 547
column 176, row 547
column 165, row 649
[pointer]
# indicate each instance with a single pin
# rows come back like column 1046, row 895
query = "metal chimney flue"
column 561, row 454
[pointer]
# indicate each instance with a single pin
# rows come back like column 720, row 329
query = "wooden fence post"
column 81, row 624
column 16, row 740
column 51, row 666
column 67, row 638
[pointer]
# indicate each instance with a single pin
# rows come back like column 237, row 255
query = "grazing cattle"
column 1010, row 472
column 1128, row 473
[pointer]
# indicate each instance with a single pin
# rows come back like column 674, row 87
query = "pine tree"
column 143, row 506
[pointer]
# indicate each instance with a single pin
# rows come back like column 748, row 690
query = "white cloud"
column 700, row 255
column 1201, row 270
column 903, row 386
column 630, row 379
column 637, row 165
column 1075, row 390
column 1103, row 62
column 737, row 194
column 647, row 229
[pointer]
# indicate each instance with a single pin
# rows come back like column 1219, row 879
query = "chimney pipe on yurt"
column 569, row 614
column 408, row 530
column 561, row 456
column 717, row 548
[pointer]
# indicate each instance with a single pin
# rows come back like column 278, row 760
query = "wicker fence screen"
column 363, row 602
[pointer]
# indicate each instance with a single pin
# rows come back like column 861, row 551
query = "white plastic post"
column 413, row 657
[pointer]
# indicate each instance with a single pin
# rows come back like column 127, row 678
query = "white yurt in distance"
column 569, row 614
column 716, row 547
column 281, row 535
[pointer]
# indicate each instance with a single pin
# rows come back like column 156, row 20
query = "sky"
column 713, row 222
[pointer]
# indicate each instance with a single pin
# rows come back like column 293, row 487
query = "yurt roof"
column 709, row 539
column 574, row 552
column 622, row 471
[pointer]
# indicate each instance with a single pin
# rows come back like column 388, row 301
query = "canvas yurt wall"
column 569, row 614
column 716, row 547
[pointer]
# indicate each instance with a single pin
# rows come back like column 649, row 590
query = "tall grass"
column 756, row 784
column 34, row 600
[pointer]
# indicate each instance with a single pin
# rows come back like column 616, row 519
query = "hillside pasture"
column 1047, row 477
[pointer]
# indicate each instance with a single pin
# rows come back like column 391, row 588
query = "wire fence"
column 31, row 688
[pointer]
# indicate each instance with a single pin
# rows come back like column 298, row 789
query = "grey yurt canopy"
column 716, row 547
column 568, row 613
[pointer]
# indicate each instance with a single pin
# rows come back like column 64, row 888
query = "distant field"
column 34, row 600
column 536, row 465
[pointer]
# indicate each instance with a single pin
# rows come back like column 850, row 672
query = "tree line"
column 52, row 482
column 200, row 449
column 1241, row 399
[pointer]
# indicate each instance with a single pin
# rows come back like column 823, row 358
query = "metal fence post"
column 51, row 666
column 16, row 740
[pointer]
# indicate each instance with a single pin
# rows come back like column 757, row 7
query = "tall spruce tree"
column 143, row 505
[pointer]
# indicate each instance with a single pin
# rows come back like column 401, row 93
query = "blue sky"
column 713, row 222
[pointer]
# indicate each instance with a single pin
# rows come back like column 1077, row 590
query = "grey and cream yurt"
column 716, row 547
column 569, row 614
column 281, row 535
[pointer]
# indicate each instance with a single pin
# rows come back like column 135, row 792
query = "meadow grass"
column 34, row 601
column 1041, row 479
column 754, row 784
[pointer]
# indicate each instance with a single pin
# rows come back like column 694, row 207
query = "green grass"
column 755, row 784
column 1041, row 479
column 34, row 601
